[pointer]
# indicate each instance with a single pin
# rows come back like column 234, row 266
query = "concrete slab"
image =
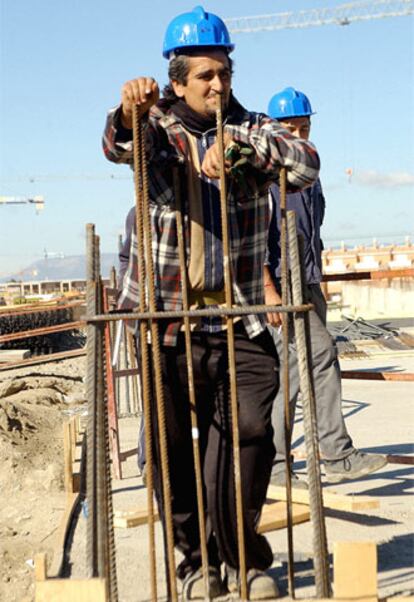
column 380, row 418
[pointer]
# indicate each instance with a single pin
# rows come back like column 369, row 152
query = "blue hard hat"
column 196, row 29
column 289, row 103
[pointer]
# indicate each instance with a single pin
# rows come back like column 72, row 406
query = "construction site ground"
column 34, row 402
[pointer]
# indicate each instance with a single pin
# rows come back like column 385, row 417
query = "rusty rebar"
column 201, row 313
column 301, row 326
column 144, row 352
column 228, row 293
column 285, row 376
column 191, row 389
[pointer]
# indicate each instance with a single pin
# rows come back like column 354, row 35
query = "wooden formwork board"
column 355, row 570
column 332, row 500
column 273, row 516
column 72, row 438
column 72, row 450
column 71, row 590
column 66, row 590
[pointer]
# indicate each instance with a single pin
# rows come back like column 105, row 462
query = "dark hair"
column 178, row 69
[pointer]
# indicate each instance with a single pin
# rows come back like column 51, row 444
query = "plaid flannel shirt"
column 168, row 147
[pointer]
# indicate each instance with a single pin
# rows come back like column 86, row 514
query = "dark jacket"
column 309, row 206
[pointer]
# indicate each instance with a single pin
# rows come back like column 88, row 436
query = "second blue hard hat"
column 289, row 103
column 196, row 29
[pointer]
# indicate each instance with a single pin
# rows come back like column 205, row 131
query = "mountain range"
column 70, row 267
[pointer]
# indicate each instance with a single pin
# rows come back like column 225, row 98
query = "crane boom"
column 343, row 14
column 37, row 201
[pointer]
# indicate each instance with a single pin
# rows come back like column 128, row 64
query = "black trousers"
column 257, row 384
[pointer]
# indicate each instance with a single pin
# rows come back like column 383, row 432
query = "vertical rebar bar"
column 228, row 291
column 101, row 433
column 108, row 433
column 285, row 376
column 144, row 352
column 156, row 355
column 191, row 388
column 91, row 290
column 321, row 561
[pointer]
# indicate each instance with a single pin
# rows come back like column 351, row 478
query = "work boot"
column 260, row 585
column 193, row 585
column 356, row 465
column 279, row 479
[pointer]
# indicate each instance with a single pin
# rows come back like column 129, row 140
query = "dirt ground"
column 33, row 405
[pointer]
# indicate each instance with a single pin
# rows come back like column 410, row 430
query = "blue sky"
column 63, row 65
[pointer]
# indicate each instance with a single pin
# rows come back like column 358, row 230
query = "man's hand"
column 272, row 297
column 143, row 91
column 211, row 161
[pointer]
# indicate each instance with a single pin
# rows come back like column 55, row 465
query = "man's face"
column 298, row 126
column 209, row 77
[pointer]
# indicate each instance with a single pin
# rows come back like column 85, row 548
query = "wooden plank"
column 355, row 570
column 60, row 537
column 40, row 571
column 335, row 501
column 43, row 359
column 67, row 457
column 132, row 518
column 14, row 355
column 77, row 455
column 68, row 590
column 341, row 600
column 274, row 516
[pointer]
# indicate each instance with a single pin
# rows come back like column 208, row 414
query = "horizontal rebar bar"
column 37, row 309
column 43, row 359
column 199, row 313
column 35, row 332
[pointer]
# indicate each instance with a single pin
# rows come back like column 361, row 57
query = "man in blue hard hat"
column 180, row 136
column 293, row 111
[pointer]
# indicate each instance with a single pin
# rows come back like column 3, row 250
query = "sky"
column 62, row 66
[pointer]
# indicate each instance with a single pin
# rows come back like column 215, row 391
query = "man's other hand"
column 272, row 297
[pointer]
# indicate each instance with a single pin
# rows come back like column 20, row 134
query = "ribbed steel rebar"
column 321, row 561
column 199, row 313
column 91, row 305
column 285, row 376
column 159, row 388
column 101, row 434
column 191, row 389
column 228, row 291
column 111, row 553
column 144, row 353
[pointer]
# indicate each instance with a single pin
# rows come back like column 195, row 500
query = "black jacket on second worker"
column 309, row 206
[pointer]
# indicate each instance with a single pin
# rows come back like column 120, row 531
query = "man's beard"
column 211, row 110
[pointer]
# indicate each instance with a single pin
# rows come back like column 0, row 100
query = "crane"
column 344, row 14
column 37, row 201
